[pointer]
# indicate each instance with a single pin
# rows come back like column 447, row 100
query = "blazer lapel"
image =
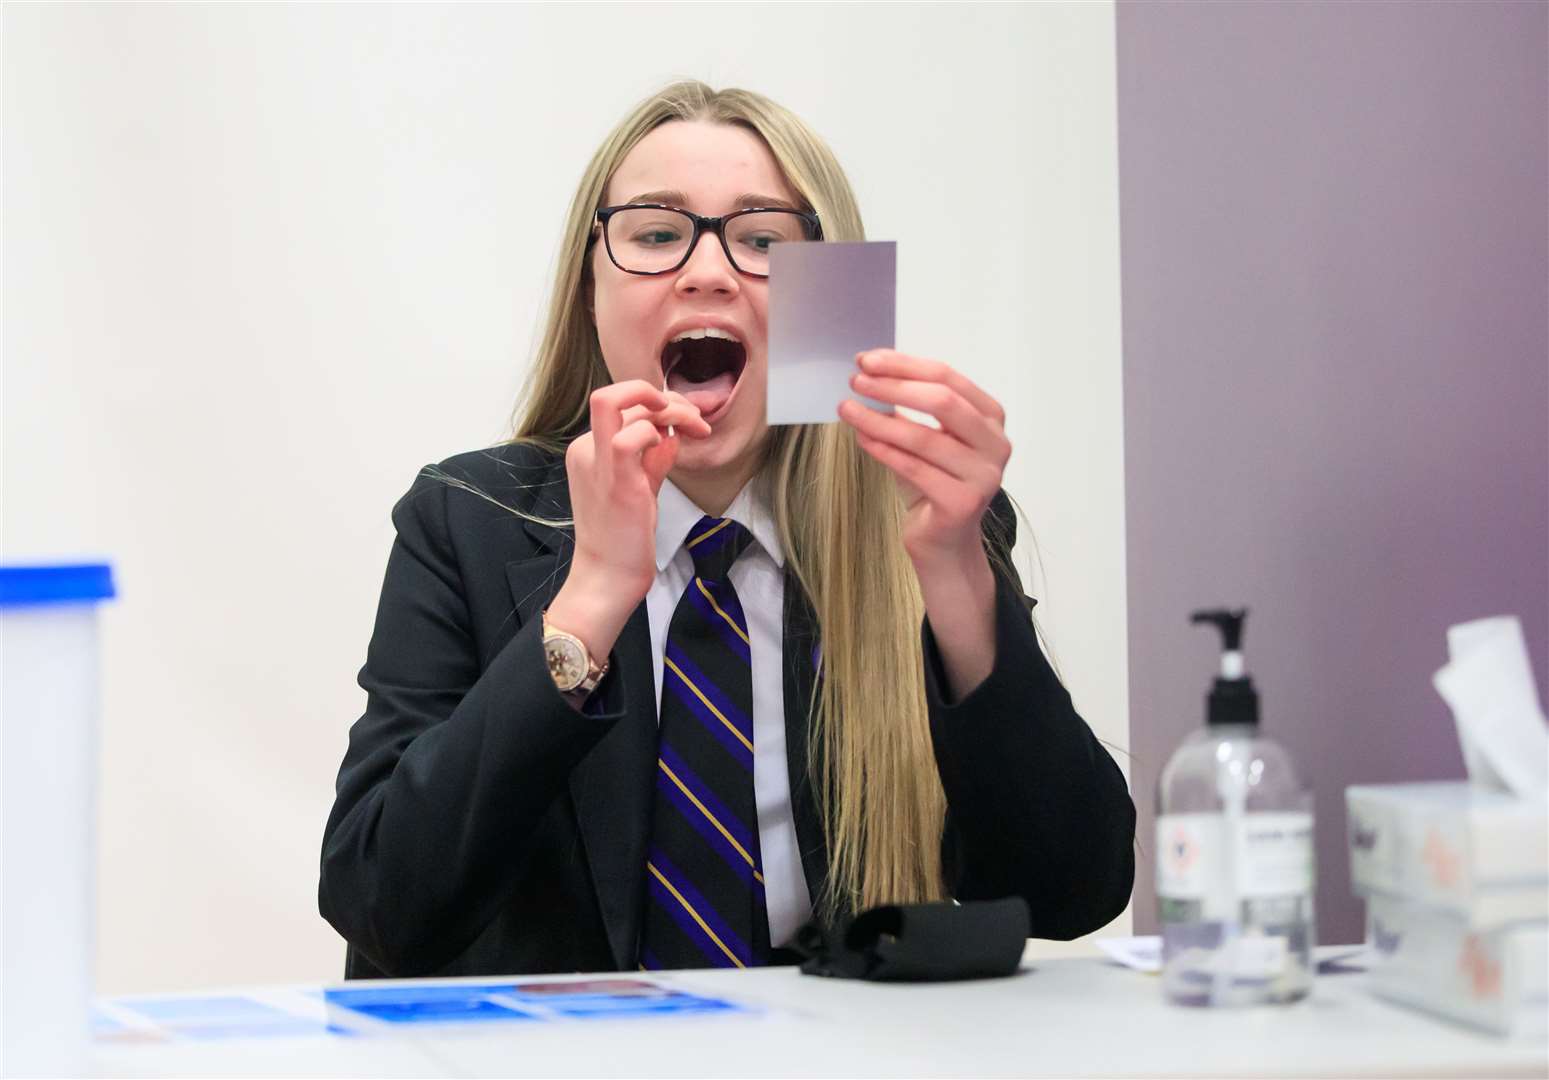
column 611, row 787
column 800, row 651
column 536, row 579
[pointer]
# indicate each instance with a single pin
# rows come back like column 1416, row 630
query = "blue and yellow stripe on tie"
column 709, row 533
column 700, row 695
column 711, row 934
column 705, row 810
column 719, row 611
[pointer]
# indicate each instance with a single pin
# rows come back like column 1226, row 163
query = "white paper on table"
column 1138, row 953
column 827, row 302
column 1489, row 686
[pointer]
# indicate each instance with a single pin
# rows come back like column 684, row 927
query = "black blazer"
column 483, row 826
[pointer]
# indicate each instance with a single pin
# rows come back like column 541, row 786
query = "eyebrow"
column 741, row 202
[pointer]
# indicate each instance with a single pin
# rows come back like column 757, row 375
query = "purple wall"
column 1335, row 238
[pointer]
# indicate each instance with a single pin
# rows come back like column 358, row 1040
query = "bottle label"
column 1197, row 858
column 1252, row 956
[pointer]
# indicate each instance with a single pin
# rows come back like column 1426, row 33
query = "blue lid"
column 82, row 583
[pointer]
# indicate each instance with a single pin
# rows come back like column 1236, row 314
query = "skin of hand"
column 615, row 471
column 948, row 478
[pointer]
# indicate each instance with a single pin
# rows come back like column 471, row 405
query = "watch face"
column 567, row 664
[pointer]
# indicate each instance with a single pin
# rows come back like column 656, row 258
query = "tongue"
column 705, row 396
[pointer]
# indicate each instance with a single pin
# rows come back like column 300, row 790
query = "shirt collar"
column 676, row 514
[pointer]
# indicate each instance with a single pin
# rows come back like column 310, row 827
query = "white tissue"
column 1489, row 686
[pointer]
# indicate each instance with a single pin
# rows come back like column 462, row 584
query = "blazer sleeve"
column 1037, row 807
column 451, row 768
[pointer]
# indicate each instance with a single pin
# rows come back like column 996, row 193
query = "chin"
column 726, row 448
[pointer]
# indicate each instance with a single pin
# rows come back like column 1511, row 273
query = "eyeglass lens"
column 648, row 240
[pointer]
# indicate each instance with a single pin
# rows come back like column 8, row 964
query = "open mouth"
column 704, row 366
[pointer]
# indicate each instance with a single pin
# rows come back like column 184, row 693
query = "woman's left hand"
column 949, row 476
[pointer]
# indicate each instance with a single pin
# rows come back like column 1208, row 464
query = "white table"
column 1076, row 1017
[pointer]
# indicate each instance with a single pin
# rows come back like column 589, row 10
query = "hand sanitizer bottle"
column 1234, row 852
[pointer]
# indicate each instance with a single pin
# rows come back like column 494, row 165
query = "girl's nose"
column 708, row 268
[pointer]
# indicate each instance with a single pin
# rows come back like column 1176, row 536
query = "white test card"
column 827, row 302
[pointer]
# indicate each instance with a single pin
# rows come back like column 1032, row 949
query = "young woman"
column 654, row 683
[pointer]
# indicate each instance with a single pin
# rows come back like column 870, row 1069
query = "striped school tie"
column 704, row 878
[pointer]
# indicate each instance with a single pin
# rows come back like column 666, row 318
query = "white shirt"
column 758, row 577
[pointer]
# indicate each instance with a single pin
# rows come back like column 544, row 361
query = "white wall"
column 263, row 262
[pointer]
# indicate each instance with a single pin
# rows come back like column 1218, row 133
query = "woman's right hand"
column 615, row 471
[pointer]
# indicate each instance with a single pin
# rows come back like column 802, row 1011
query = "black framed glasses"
column 645, row 238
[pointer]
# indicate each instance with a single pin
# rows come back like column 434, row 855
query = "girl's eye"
column 657, row 237
column 761, row 243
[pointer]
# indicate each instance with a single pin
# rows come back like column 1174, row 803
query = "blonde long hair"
column 839, row 517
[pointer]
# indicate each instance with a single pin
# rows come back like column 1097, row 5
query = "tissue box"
column 1482, row 855
column 1432, row 960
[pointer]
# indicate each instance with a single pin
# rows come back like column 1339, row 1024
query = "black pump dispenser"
column 1232, row 699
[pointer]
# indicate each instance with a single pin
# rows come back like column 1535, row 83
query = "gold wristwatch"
column 570, row 663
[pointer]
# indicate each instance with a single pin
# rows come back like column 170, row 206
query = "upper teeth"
column 708, row 331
